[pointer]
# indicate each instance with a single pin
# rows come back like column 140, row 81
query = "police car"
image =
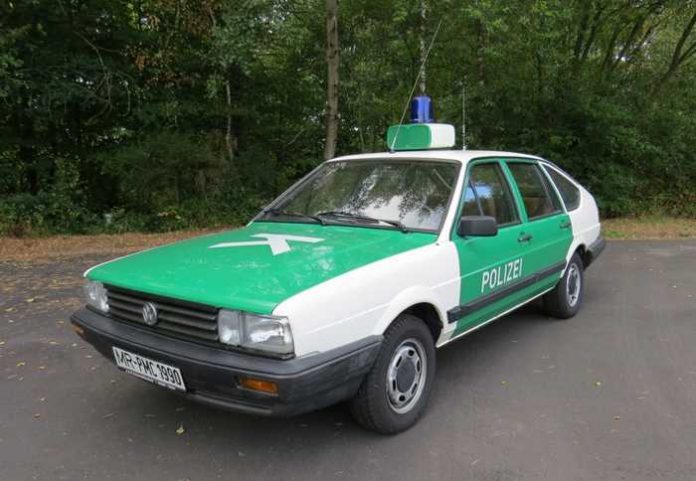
column 344, row 286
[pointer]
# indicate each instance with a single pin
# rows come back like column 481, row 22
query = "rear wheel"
column 395, row 392
column 565, row 299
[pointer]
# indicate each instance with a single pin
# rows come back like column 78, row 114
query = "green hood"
column 249, row 276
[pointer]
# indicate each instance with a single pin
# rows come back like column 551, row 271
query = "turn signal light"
column 80, row 332
column 267, row 387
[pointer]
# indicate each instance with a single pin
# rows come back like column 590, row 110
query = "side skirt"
column 462, row 334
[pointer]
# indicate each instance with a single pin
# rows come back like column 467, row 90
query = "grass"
column 649, row 228
column 43, row 248
column 40, row 248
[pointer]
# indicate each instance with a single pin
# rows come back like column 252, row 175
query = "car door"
column 547, row 228
column 492, row 269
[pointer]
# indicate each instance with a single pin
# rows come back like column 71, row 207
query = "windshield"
column 406, row 194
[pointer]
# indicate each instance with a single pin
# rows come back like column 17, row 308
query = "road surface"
column 608, row 395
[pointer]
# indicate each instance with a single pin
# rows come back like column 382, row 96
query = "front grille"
column 177, row 318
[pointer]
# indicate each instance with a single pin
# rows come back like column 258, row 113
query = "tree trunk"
column 229, row 141
column 332, row 84
column 679, row 56
column 480, row 52
column 582, row 31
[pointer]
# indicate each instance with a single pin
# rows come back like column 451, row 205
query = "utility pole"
column 332, row 84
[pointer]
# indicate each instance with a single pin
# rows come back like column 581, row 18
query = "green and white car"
column 344, row 286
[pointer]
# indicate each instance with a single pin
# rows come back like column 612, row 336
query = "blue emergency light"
column 422, row 110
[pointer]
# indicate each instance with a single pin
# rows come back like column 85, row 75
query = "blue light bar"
column 422, row 110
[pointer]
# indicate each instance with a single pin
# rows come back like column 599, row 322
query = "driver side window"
column 487, row 193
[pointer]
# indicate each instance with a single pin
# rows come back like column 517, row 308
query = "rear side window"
column 538, row 196
column 487, row 193
column 569, row 192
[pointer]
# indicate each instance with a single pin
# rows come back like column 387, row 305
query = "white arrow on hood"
column 277, row 242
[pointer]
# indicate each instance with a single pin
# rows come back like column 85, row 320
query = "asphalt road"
column 608, row 395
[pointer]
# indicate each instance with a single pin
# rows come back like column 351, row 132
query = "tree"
column 176, row 113
column 684, row 50
column 332, row 83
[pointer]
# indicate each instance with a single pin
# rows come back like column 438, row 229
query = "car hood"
column 256, row 267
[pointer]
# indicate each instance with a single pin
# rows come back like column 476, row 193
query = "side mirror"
column 477, row 226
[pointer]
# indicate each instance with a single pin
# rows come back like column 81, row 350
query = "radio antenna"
column 421, row 72
column 464, row 115
column 423, row 55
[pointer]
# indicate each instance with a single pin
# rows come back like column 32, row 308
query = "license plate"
column 149, row 370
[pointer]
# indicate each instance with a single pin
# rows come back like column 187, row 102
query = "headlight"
column 230, row 327
column 268, row 333
column 96, row 296
column 263, row 333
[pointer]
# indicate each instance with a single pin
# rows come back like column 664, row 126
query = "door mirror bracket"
column 477, row 226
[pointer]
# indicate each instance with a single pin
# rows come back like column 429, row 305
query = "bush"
column 45, row 213
column 60, row 210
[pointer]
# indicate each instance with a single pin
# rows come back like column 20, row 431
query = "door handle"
column 524, row 237
column 565, row 224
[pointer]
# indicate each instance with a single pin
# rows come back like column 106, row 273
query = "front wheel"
column 565, row 299
column 395, row 392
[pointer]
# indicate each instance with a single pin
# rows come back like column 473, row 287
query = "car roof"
column 462, row 156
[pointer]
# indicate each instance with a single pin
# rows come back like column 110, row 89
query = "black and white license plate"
column 149, row 370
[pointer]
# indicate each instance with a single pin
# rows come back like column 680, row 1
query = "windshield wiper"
column 338, row 213
column 277, row 212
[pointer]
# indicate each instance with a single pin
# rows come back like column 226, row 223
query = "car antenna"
column 464, row 115
column 421, row 74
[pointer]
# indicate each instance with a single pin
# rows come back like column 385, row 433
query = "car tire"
column 395, row 392
column 565, row 299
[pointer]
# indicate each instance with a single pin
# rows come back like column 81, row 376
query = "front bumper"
column 211, row 374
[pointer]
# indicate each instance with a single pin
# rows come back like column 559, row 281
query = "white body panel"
column 365, row 301
column 585, row 219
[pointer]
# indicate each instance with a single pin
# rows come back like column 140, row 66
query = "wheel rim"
column 406, row 375
column 573, row 285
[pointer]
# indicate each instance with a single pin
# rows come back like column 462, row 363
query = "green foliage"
column 59, row 210
column 169, row 114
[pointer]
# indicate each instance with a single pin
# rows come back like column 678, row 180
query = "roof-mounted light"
column 420, row 136
column 422, row 133
column 422, row 110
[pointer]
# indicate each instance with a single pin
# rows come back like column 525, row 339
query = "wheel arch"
column 419, row 302
column 427, row 313
column 584, row 254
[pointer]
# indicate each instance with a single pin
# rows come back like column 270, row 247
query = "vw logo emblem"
column 149, row 314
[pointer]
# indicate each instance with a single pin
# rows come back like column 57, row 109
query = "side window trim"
column 476, row 196
column 549, row 181
column 549, row 164
column 510, row 188
column 518, row 193
column 546, row 182
column 546, row 167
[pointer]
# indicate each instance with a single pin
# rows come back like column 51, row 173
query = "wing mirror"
column 477, row 226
